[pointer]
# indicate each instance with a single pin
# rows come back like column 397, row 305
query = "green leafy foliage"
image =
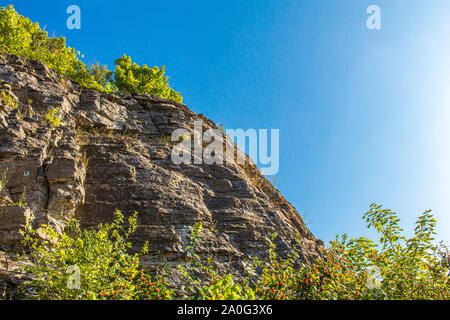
column 101, row 256
column 20, row 36
column 6, row 99
column 329, row 277
column 201, row 281
column 394, row 268
column 130, row 77
column 53, row 118
column 3, row 179
column 26, row 39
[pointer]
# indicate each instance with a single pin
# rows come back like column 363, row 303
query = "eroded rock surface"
column 113, row 152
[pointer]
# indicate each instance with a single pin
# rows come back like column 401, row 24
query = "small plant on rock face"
column 133, row 172
column 62, row 81
column 165, row 140
column 222, row 127
column 20, row 114
column 85, row 160
column 22, row 201
column 8, row 100
column 3, row 179
column 53, row 118
column 275, row 181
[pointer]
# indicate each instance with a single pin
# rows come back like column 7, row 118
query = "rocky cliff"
column 113, row 152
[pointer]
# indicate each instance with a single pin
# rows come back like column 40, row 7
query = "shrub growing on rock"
column 20, row 36
column 130, row 77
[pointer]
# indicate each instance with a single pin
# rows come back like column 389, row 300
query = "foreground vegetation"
column 96, row 264
column 20, row 36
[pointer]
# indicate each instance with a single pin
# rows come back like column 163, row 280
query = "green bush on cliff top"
column 20, row 36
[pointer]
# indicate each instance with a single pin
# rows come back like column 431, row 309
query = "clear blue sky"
column 364, row 116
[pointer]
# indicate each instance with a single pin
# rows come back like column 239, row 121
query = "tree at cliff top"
column 130, row 78
column 20, row 36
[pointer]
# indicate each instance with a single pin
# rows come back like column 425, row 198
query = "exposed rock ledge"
column 124, row 139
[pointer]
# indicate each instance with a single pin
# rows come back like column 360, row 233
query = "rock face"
column 114, row 152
